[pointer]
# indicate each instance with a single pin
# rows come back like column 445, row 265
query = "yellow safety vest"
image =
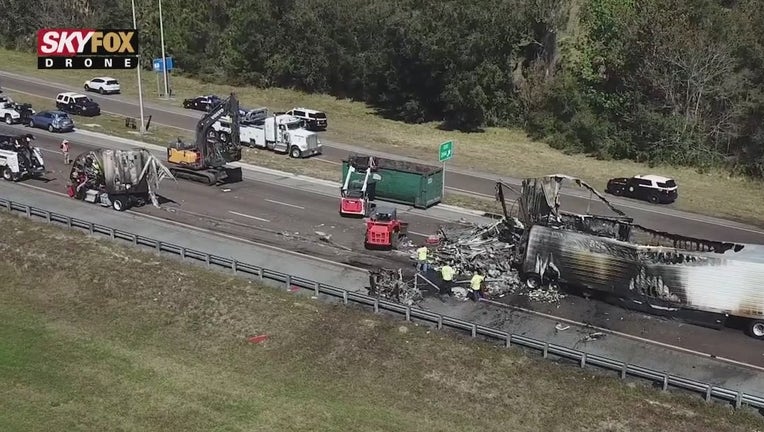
column 476, row 281
column 447, row 272
column 422, row 253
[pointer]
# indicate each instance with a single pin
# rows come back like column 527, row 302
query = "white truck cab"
column 8, row 111
column 280, row 133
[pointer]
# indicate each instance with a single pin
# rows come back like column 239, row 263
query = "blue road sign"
column 158, row 64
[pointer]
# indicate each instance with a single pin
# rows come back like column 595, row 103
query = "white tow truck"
column 10, row 111
column 19, row 158
column 280, row 133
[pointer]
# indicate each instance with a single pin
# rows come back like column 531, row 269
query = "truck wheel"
column 8, row 119
column 756, row 329
column 118, row 204
column 223, row 137
column 295, row 152
column 7, row 174
column 532, row 281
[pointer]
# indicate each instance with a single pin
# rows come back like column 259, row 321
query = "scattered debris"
column 560, row 327
column 257, row 339
column 390, row 285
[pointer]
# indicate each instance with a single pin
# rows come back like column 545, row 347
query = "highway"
column 575, row 200
column 297, row 219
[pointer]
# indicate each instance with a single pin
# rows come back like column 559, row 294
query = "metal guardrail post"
column 546, row 349
column 624, row 368
column 207, row 259
column 9, row 205
column 182, row 252
column 508, row 342
column 260, row 273
column 665, row 381
column 135, row 239
column 288, row 283
column 68, row 222
column 316, row 288
column 583, row 360
column 708, row 392
column 111, row 233
column 344, row 296
column 408, row 313
column 28, row 211
column 234, row 266
column 158, row 246
column 91, row 227
column 376, row 305
column 738, row 400
column 47, row 216
column 474, row 330
column 440, row 322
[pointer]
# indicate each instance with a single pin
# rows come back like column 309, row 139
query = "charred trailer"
column 703, row 287
column 117, row 178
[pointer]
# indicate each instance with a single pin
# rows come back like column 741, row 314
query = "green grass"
column 499, row 151
column 100, row 337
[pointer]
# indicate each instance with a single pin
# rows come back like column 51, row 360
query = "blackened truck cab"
column 652, row 188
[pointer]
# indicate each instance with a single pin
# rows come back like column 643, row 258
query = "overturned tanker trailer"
column 700, row 281
column 117, row 178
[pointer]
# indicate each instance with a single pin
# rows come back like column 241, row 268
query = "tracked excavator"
column 205, row 159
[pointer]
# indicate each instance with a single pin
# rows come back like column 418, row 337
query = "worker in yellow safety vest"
column 447, row 275
column 421, row 258
column 476, row 283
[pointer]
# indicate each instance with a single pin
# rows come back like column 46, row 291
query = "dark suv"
column 79, row 104
column 656, row 189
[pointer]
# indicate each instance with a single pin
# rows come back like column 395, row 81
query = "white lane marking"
column 248, row 216
column 468, row 192
column 418, row 234
column 49, row 151
column 328, row 161
column 285, row 204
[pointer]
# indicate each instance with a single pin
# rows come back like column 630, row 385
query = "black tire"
column 118, row 204
column 50, row 128
column 8, row 119
column 31, row 123
column 101, row 90
column 7, row 173
column 295, row 152
column 617, row 191
column 87, row 87
column 223, row 137
column 653, row 198
column 756, row 329
column 532, row 281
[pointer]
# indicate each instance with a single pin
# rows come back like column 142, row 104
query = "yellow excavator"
column 205, row 160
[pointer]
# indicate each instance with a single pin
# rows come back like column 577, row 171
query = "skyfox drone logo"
column 65, row 48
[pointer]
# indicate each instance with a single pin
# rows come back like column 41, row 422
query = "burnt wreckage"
column 697, row 280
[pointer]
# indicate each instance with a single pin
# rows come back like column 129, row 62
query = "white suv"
column 314, row 120
column 102, row 85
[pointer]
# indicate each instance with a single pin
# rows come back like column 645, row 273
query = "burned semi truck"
column 700, row 281
column 117, row 178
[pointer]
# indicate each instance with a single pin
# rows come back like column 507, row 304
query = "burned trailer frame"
column 700, row 281
column 117, row 178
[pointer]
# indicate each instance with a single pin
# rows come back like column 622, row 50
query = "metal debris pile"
column 485, row 249
column 390, row 285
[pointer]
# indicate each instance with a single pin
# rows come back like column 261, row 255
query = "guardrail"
column 583, row 359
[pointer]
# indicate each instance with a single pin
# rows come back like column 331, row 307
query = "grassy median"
column 502, row 152
column 99, row 337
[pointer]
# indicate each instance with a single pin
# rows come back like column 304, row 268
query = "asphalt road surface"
column 297, row 220
column 575, row 200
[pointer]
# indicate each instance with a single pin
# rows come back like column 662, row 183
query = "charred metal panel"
column 709, row 281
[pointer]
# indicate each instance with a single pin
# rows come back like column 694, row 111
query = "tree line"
column 657, row 81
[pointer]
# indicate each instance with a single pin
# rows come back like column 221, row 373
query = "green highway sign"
column 446, row 151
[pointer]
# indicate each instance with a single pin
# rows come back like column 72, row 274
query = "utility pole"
column 164, row 58
column 138, row 70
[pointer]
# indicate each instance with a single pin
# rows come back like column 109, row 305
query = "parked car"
column 75, row 103
column 103, row 85
column 53, row 121
column 653, row 188
column 202, row 103
column 314, row 120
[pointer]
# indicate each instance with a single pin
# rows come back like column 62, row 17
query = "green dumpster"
column 400, row 182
